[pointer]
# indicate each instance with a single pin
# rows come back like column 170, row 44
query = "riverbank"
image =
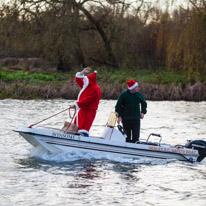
column 69, row 90
column 23, row 84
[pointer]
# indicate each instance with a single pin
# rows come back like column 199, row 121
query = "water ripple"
column 34, row 177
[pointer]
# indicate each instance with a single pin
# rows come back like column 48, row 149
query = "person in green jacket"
column 131, row 107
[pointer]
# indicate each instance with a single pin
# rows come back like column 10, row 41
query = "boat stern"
column 199, row 145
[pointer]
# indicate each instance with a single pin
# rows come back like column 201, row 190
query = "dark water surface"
column 32, row 177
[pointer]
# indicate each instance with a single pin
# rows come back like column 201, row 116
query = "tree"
column 56, row 8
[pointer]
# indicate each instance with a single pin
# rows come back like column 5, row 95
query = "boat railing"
column 61, row 130
column 157, row 135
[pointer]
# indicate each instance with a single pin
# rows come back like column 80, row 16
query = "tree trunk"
column 103, row 35
column 61, row 66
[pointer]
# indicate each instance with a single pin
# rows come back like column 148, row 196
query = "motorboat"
column 112, row 141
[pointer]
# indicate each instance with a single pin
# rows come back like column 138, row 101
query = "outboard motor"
column 199, row 145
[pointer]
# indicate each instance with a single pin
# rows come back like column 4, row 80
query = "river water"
column 32, row 177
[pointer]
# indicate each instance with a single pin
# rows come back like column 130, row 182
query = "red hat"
column 132, row 84
column 92, row 78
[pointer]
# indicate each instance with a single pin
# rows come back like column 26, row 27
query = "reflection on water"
column 34, row 177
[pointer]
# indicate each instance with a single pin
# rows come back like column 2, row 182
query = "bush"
column 18, row 76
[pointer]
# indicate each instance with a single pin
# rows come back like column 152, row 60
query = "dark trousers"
column 132, row 128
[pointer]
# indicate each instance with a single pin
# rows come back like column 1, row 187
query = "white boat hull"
column 56, row 141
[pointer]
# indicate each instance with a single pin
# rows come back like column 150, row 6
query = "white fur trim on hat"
column 132, row 87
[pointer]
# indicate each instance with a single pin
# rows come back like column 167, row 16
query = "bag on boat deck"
column 70, row 127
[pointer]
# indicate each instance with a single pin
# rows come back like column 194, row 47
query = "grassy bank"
column 159, row 85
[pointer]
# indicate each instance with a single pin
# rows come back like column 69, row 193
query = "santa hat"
column 132, row 84
column 92, row 78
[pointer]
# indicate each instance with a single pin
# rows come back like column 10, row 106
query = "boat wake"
column 64, row 157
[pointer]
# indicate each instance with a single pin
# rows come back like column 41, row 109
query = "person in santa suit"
column 87, row 102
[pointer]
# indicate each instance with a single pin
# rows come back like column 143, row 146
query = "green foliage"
column 161, row 76
column 105, row 75
column 19, row 76
column 25, row 85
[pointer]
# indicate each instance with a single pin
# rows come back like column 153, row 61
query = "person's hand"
column 141, row 115
column 119, row 120
column 86, row 70
column 72, row 107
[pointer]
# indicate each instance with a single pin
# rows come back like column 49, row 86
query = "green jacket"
column 128, row 105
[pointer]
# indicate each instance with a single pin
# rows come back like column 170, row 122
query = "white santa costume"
column 87, row 102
